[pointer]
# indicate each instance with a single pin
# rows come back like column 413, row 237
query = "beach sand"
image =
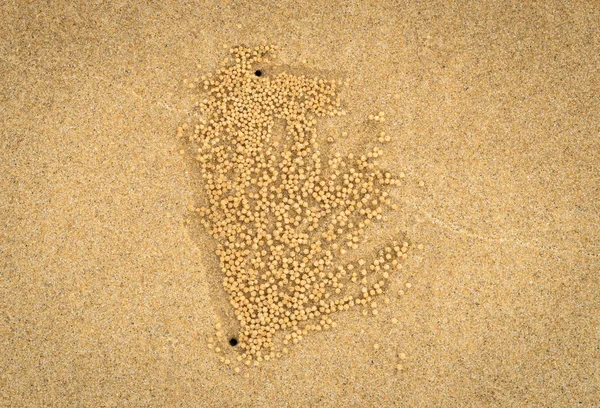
column 106, row 292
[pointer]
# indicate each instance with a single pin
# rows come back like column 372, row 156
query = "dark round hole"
column 258, row 72
column 233, row 341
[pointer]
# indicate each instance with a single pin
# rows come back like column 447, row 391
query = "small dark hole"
column 233, row 341
column 258, row 73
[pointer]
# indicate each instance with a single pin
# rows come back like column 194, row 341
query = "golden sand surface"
column 108, row 295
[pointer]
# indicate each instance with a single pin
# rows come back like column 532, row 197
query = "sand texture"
column 110, row 288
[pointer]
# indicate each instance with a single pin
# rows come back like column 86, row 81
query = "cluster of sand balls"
column 283, row 219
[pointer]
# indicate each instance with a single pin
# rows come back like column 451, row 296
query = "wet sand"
column 106, row 297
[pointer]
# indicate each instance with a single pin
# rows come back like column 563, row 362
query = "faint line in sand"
column 515, row 240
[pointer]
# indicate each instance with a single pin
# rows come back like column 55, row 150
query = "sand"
column 105, row 293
